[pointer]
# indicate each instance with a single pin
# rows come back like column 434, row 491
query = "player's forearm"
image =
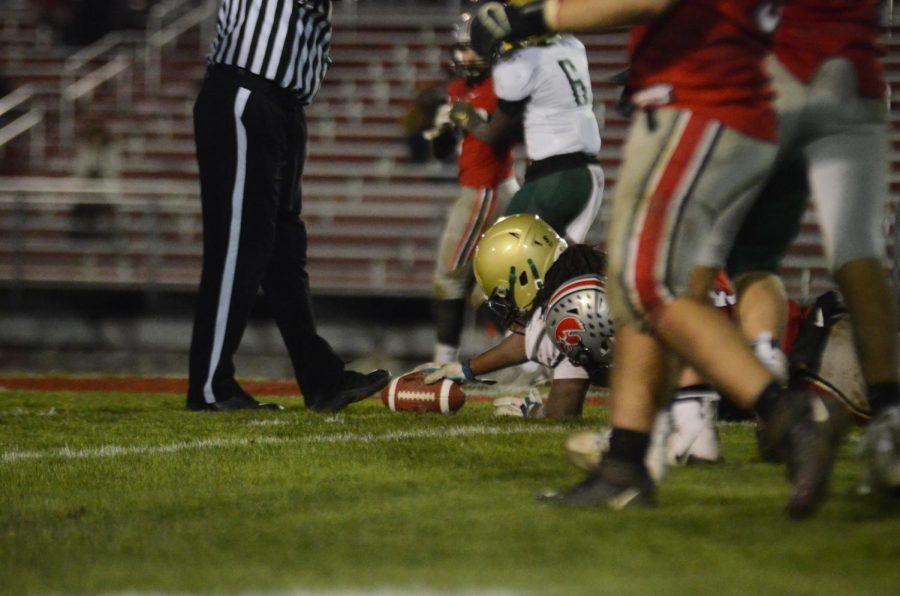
column 484, row 132
column 578, row 16
column 499, row 131
column 509, row 352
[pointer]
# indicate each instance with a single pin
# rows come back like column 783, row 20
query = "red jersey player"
column 825, row 66
column 486, row 184
column 703, row 138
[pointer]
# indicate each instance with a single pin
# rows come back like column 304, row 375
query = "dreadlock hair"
column 578, row 259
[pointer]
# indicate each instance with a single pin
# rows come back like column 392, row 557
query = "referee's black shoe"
column 351, row 388
column 240, row 401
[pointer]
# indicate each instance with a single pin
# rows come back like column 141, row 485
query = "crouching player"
column 553, row 296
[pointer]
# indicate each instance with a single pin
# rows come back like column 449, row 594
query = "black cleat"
column 805, row 431
column 768, row 452
column 241, row 401
column 615, row 484
column 351, row 388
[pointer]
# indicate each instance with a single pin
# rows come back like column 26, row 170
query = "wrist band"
column 467, row 372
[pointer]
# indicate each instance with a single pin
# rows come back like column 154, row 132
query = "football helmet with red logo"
column 578, row 319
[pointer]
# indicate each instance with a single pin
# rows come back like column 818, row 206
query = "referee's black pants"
column 251, row 145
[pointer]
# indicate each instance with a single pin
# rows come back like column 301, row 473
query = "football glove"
column 458, row 372
column 530, row 406
column 451, row 370
column 462, row 114
column 495, row 23
column 442, row 116
column 440, row 125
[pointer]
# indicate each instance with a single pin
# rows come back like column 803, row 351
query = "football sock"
column 699, row 391
column 444, row 353
column 882, row 396
column 450, row 317
column 772, row 357
column 765, row 403
column 628, row 445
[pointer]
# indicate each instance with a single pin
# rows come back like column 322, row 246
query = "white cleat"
column 882, row 449
column 530, row 406
column 694, row 438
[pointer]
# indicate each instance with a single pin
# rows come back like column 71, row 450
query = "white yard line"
column 104, row 451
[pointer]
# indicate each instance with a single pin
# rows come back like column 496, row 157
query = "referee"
column 266, row 63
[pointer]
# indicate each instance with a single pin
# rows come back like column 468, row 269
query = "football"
column 409, row 393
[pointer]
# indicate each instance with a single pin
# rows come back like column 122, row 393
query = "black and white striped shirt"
column 284, row 41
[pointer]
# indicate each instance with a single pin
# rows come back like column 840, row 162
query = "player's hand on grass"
column 530, row 406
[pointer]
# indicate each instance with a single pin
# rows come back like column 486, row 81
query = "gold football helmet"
column 511, row 260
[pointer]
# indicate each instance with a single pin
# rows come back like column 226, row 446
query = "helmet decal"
column 536, row 274
column 579, row 319
column 568, row 332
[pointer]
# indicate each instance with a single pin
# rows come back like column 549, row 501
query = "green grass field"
column 104, row 492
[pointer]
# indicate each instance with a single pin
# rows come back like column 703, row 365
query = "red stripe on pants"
column 653, row 240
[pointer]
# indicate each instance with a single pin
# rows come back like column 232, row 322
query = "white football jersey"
column 540, row 348
column 554, row 78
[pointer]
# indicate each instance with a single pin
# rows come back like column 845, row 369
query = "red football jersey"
column 710, row 54
column 479, row 164
column 812, row 31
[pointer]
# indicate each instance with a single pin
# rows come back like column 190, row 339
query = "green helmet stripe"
column 538, row 282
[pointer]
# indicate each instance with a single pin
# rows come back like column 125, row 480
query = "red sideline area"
column 134, row 385
column 281, row 388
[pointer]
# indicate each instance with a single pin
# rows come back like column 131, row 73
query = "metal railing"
column 159, row 34
column 31, row 121
column 147, row 236
column 117, row 52
column 81, row 75
column 117, row 69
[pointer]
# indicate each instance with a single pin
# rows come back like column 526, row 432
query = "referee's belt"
column 557, row 163
column 254, row 82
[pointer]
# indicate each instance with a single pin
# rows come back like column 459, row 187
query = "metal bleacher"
column 373, row 218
